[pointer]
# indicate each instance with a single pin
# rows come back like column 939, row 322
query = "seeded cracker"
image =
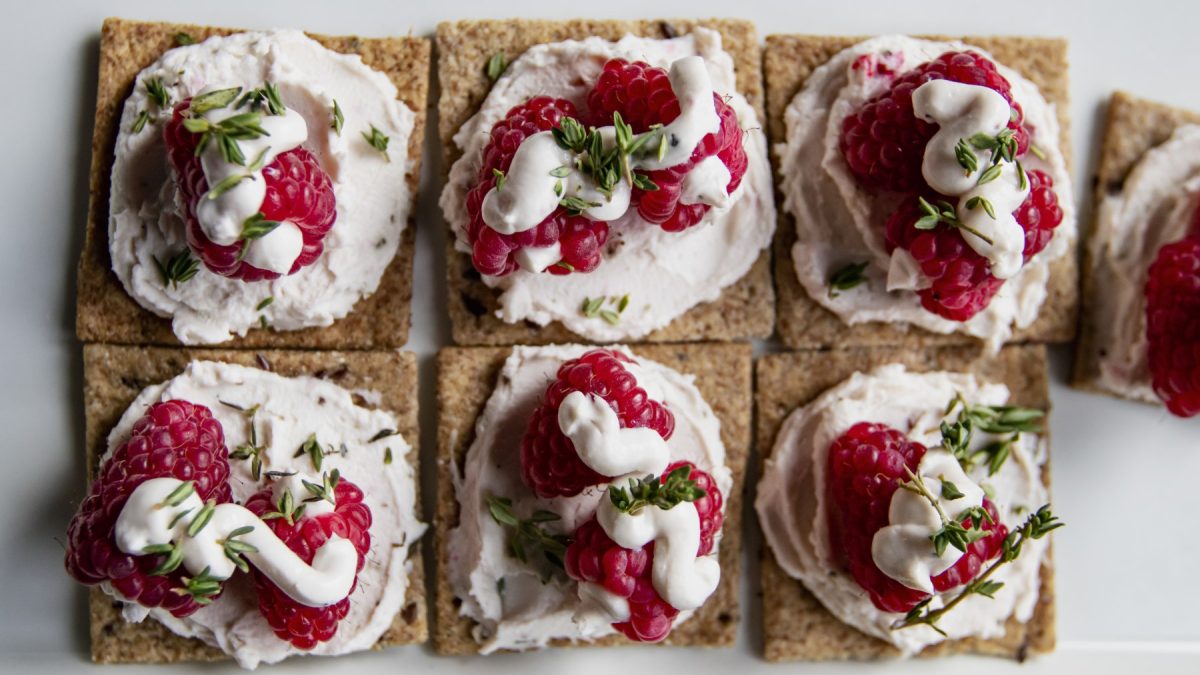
column 106, row 313
column 115, row 375
column 467, row 50
column 466, row 377
column 1134, row 126
column 788, row 60
column 796, row 626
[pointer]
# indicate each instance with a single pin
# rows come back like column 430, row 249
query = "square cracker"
column 106, row 313
column 115, row 375
column 745, row 309
column 788, row 60
column 1134, row 126
column 796, row 626
column 466, row 377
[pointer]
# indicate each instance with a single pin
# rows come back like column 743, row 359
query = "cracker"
column 1134, row 126
column 115, row 375
column 788, row 60
column 106, row 313
column 466, row 377
column 796, row 626
column 745, row 309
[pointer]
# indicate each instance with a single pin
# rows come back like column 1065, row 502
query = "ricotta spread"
column 793, row 507
column 514, row 607
column 1152, row 209
column 146, row 221
column 664, row 273
column 290, row 409
column 839, row 223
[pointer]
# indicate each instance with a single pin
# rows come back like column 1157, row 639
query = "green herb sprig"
column 527, row 537
column 1012, row 420
column 596, row 307
column 943, row 212
column 378, row 140
column 179, row 268
column 666, row 494
column 845, row 278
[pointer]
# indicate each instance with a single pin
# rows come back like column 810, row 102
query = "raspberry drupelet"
column 1173, row 325
column 595, row 558
column 303, row 626
column 174, row 439
column 580, row 239
column 298, row 191
column 550, row 466
column 866, row 466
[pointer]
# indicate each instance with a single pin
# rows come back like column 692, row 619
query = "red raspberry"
column 1173, row 325
column 298, row 191
column 592, row 556
column 866, row 466
column 643, row 96
column 494, row 253
column 549, row 464
column 883, row 142
column 174, row 439
column 1040, row 213
column 299, row 624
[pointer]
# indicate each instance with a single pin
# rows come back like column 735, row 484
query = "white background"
column 1125, row 474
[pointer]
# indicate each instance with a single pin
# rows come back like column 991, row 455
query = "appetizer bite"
column 605, row 187
column 259, row 187
column 1140, row 333
column 905, row 504
column 249, row 513
column 928, row 188
column 594, row 503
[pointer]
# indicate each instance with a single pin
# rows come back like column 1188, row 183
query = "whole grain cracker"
column 1133, row 127
column 796, row 626
column 788, row 61
column 106, row 313
column 115, row 375
column 466, row 377
column 745, row 309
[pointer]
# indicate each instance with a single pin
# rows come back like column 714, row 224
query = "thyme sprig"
column 265, row 98
column 943, row 212
column 250, row 450
column 158, row 93
column 325, row 490
column 952, row 531
column 226, row 134
column 1012, row 420
column 339, row 119
column 183, row 39
column 595, row 307
column 179, row 268
column 1037, row 525
column 235, row 549
column 845, row 278
column 674, row 489
column 316, row 454
column 287, row 509
column 202, row 588
column 607, row 167
column 496, row 66
column 527, row 536
column 378, row 140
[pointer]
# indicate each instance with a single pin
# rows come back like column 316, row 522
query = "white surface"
column 1124, row 473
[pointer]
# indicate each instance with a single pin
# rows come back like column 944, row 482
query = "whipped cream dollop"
column 663, row 273
column 1153, row 208
column 149, row 519
column 514, row 607
column 290, row 410
column 146, row 218
column 793, row 505
column 839, row 223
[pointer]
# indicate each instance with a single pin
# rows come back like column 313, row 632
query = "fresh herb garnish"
column 325, row 490
column 218, row 98
column 158, row 93
column 265, row 97
column 264, row 303
column 183, row 39
column 287, row 509
column 500, row 178
column 381, row 434
column 978, row 201
column 174, row 557
column 202, row 588
column 227, row 132
column 140, row 123
column 178, row 495
column 595, row 307
column 235, row 549
column 957, row 435
column 338, row 118
column 1003, row 145
column 496, row 66
column 675, row 489
column 847, row 277
column 990, row 174
column 952, row 532
column 1036, row 526
column 528, row 536
column 256, row 227
column 387, row 455
column 250, row 450
column 376, row 139
column 179, row 268
column 966, row 157
column 312, row 448
column 203, row 518
column 943, row 212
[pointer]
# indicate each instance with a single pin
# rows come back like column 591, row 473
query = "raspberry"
column 866, row 466
column 1173, row 325
column 299, row 624
column 883, row 142
column 174, row 439
column 643, row 96
column 592, row 556
column 1039, row 214
column 549, row 464
column 494, row 253
column 298, row 191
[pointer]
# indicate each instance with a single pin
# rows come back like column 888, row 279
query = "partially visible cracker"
column 1134, row 126
column 788, row 61
column 796, row 626
column 466, row 377
column 106, row 313
column 745, row 309
column 115, row 375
